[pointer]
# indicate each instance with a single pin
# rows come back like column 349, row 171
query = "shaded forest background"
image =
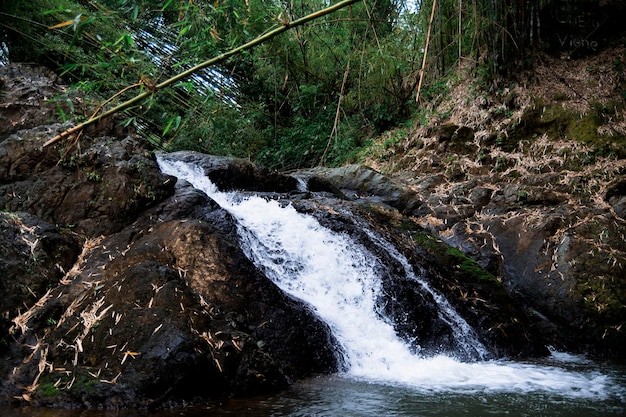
column 315, row 95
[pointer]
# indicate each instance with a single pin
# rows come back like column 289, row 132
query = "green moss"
column 83, row 384
column 470, row 267
column 451, row 257
column 440, row 252
column 78, row 383
column 48, row 390
column 601, row 290
column 604, row 301
column 559, row 123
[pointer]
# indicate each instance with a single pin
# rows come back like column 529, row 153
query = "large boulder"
column 95, row 188
column 239, row 174
column 169, row 309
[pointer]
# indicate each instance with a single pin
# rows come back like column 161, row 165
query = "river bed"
column 345, row 396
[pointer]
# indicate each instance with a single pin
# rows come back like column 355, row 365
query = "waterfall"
column 340, row 280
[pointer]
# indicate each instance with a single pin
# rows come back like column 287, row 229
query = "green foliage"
column 308, row 97
column 23, row 25
column 94, row 176
column 304, row 98
column 327, row 86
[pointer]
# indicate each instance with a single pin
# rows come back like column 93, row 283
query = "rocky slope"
column 530, row 180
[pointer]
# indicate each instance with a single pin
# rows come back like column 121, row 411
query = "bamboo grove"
column 313, row 95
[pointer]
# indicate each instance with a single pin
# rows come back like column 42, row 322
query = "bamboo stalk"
column 430, row 26
column 337, row 113
column 460, row 32
column 284, row 26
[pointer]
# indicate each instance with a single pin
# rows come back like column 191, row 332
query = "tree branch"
column 284, row 26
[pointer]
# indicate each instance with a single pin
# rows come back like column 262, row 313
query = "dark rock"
column 34, row 256
column 616, row 197
column 27, row 97
column 360, row 182
column 476, row 242
column 161, row 307
column 238, row 174
column 619, row 206
column 94, row 191
column 32, row 96
column 480, row 196
column 501, row 323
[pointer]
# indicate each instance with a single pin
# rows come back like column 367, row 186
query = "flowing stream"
column 339, row 279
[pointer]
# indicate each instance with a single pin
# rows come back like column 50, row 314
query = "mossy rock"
column 477, row 295
column 463, row 267
column 469, row 270
column 457, row 139
column 559, row 123
column 60, row 387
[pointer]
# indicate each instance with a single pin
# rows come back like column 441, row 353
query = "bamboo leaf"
column 214, row 34
column 183, row 31
column 167, row 4
column 62, row 24
column 223, row 57
column 174, row 123
column 128, row 121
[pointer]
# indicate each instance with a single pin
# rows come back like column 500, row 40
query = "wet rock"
column 360, row 182
column 501, row 323
column 238, row 174
column 478, row 243
column 161, row 306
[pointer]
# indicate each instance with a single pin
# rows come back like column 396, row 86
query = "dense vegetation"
column 310, row 96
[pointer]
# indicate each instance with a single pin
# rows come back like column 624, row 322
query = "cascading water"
column 340, row 280
column 465, row 336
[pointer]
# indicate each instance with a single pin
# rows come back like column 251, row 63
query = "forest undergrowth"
column 564, row 117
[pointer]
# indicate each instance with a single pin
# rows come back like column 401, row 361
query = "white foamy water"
column 340, row 280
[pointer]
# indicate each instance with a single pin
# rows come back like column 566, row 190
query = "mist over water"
column 340, row 280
